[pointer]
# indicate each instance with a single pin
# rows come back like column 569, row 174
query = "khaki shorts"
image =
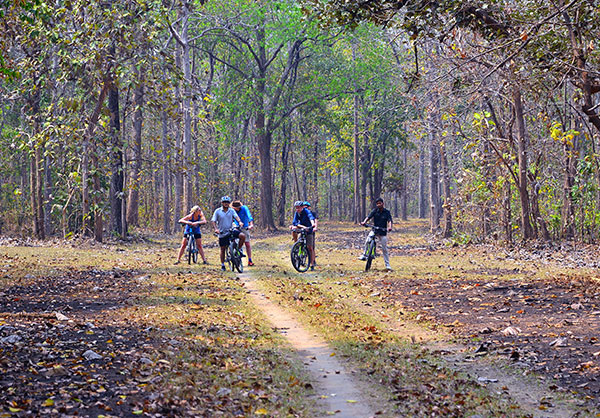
column 247, row 233
column 310, row 239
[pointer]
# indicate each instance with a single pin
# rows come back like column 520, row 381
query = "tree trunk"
column 422, row 183
column 98, row 215
column 87, row 151
column 116, row 164
column 506, row 203
column 447, row 207
column 165, row 173
column 188, row 178
column 527, row 229
column 357, row 211
column 434, row 188
column 264, row 138
column 177, row 158
column 285, row 151
column 266, row 189
column 134, row 189
column 404, row 192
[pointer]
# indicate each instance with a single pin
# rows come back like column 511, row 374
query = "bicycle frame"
column 300, row 255
column 233, row 253
column 371, row 245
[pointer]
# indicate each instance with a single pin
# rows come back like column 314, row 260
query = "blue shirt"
column 303, row 218
column 193, row 229
column 245, row 216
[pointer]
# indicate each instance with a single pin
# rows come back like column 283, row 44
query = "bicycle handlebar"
column 374, row 227
column 302, row 228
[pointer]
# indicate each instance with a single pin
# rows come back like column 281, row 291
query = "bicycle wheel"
column 194, row 251
column 190, row 250
column 370, row 254
column 299, row 256
column 237, row 261
column 231, row 255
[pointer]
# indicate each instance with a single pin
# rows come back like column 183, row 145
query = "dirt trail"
column 335, row 386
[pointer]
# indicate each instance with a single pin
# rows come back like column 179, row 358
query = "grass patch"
column 189, row 340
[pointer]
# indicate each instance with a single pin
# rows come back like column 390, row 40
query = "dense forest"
column 118, row 116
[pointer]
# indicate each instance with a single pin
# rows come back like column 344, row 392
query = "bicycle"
column 371, row 245
column 233, row 255
column 299, row 254
column 192, row 248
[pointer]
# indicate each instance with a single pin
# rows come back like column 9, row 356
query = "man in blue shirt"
column 304, row 219
column 247, row 224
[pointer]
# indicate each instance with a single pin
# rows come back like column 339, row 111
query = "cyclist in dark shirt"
column 382, row 218
column 304, row 218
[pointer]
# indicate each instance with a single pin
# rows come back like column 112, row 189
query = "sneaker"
column 389, row 268
column 242, row 254
column 204, row 262
column 362, row 257
column 312, row 268
column 250, row 263
column 177, row 262
column 222, row 267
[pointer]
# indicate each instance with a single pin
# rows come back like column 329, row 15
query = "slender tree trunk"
column 33, row 181
column 134, row 188
column 404, row 192
column 315, row 195
column 35, row 174
column 357, row 207
column 177, row 158
column 285, row 151
column 87, row 152
column 447, row 206
column 48, row 193
column 527, row 229
column 434, row 188
column 97, row 213
column 507, row 212
column 188, row 179
column 116, row 158
column 266, row 190
column 165, row 173
column 422, row 183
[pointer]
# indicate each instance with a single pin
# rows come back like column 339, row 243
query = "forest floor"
column 118, row 330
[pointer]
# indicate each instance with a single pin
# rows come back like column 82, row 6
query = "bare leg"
column 242, row 238
column 223, row 255
column 182, row 249
column 200, row 249
column 248, row 250
column 311, row 250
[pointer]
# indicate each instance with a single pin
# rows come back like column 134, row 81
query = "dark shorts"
column 197, row 236
column 224, row 240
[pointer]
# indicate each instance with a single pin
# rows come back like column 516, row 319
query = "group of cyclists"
column 234, row 219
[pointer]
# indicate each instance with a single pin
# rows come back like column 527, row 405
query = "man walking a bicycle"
column 247, row 224
column 382, row 219
column 304, row 219
column 222, row 221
